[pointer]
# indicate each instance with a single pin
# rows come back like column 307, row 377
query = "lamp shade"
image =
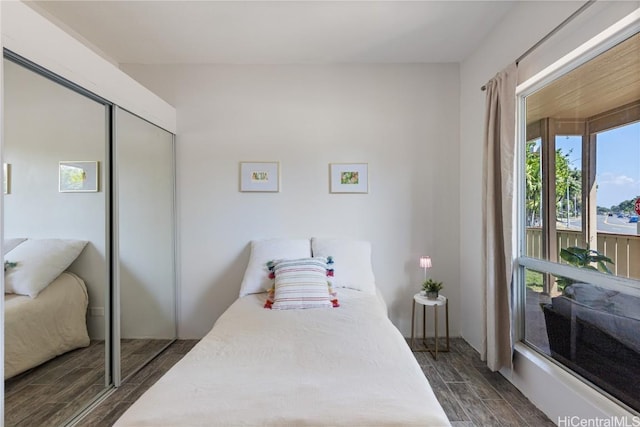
column 425, row 262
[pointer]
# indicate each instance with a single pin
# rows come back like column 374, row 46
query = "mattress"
column 346, row 366
column 41, row 328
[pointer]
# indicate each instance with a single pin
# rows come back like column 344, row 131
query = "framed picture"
column 260, row 177
column 348, row 178
column 78, row 177
column 6, row 178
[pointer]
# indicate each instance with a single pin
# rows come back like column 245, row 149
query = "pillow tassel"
column 334, row 294
column 271, row 265
column 329, row 263
column 9, row 265
column 269, row 302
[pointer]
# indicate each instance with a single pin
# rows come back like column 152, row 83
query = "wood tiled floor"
column 469, row 392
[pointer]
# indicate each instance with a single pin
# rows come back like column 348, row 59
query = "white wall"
column 508, row 41
column 401, row 119
column 38, row 134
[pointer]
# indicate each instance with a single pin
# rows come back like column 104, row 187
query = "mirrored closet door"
column 89, row 248
column 56, row 247
column 144, row 160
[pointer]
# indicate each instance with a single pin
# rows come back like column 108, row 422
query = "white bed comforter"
column 347, row 366
column 41, row 328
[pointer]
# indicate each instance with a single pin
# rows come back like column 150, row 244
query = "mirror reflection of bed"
column 49, row 356
column 45, row 307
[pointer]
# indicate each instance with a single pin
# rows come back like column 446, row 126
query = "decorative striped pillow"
column 301, row 283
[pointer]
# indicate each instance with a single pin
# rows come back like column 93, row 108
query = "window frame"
column 614, row 35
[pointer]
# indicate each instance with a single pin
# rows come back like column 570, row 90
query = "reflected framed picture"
column 261, row 177
column 348, row 177
column 6, row 178
column 78, row 177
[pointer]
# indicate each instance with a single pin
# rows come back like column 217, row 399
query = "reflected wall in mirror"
column 54, row 339
column 146, row 270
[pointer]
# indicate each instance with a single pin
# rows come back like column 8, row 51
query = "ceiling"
column 278, row 32
column 608, row 81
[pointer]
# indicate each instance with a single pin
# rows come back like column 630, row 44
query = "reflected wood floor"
column 469, row 392
column 49, row 394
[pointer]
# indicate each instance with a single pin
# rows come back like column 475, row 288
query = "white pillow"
column 256, row 276
column 39, row 262
column 352, row 268
column 9, row 244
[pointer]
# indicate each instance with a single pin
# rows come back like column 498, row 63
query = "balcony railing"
column 623, row 249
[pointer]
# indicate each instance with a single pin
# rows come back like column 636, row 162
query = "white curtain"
column 498, row 216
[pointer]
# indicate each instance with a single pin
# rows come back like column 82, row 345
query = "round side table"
column 435, row 303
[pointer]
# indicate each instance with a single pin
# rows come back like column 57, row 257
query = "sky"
column 617, row 162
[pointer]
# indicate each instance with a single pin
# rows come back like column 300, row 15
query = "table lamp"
column 425, row 262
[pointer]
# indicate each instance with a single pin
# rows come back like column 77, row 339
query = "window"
column 580, row 255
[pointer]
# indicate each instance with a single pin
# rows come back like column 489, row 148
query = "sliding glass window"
column 580, row 251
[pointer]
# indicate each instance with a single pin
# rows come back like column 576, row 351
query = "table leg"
column 413, row 318
column 446, row 311
column 436, row 328
column 424, row 324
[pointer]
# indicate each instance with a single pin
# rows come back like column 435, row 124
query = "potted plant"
column 431, row 288
column 582, row 258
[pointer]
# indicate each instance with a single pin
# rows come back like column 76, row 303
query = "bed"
column 341, row 364
column 39, row 329
column 341, row 367
column 45, row 307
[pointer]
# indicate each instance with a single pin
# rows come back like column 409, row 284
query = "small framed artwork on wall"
column 78, row 177
column 262, row 177
column 348, row 178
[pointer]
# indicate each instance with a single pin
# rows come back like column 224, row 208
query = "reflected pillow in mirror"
column 9, row 244
column 38, row 263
